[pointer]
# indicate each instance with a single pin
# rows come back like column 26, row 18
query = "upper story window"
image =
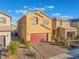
column 46, row 22
column 35, row 20
column 60, row 22
column 2, row 20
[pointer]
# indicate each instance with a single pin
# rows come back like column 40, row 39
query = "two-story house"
column 35, row 27
column 5, row 29
column 75, row 23
column 64, row 29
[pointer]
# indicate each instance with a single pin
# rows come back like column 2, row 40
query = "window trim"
column 35, row 21
column 46, row 22
column 3, row 20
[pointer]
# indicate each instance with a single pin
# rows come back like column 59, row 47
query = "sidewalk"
column 61, row 56
column 74, row 54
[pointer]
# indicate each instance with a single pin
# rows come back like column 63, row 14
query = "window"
column 2, row 20
column 46, row 22
column 60, row 22
column 35, row 21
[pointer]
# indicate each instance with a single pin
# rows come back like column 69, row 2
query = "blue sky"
column 54, row 8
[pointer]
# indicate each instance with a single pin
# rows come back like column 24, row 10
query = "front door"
column 2, row 40
column 69, row 35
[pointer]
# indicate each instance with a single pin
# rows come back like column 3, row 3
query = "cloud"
column 59, row 15
column 56, row 14
column 36, row 8
column 50, row 7
column 66, row 17
column 21, row 11
column 28, row 9
column 25, row 6
column 41, row 8
column 9, row 10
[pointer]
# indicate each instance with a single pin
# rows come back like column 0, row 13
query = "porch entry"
column 70, row 35
column 2, row 40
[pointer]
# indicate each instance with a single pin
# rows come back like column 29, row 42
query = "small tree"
column 13, row 48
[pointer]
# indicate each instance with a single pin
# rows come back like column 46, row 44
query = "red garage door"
column 38, row 37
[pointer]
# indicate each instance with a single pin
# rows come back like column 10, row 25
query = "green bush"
column 54, row 37
column 27, row 44
column 65, row 44
column 14, row 47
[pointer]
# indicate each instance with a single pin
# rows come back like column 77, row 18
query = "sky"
column 54, row 8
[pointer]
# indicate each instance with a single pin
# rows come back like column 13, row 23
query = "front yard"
column 41, row 50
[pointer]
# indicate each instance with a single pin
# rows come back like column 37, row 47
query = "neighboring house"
column 14, row 33
column 5, row 29
column 75, row 23
column 36, row 27
column 64, row 29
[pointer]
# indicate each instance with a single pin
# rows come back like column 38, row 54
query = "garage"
column 2, row 40
column 39, row 37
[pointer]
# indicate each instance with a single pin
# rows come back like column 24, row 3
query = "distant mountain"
column 74, row 20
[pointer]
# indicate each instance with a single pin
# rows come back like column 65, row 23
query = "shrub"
column 77, row 37
column 14, row 47
column 54, row 37
column 27, row 44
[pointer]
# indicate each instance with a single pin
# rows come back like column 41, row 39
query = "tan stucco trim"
column 46, row 27
column 46, row 15
column 39, row 15
column 5, row 31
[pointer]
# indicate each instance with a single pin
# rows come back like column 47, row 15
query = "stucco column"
column 28, row 37
column 65, row 34
column 49, row 36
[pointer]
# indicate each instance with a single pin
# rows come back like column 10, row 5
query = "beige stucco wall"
column 7, row 37
column 75, row 25
column 13, row 27
column 7, row 27
column 64, row 23
column 38, row 28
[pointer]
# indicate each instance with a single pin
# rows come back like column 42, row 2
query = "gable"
column 5, row 15
column 43, row 15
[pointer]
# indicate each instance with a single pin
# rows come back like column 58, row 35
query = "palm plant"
column 13, row 49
